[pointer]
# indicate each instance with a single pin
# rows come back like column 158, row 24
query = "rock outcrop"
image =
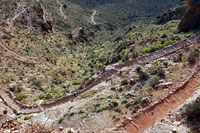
column 46, row 27
column 78, row 33
column 191, row 19
column 175, row 13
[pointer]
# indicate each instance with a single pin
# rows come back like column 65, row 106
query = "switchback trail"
column 92, row 17
column 19, row 56
column 61, row 11
column 17, row 107
column 3, row 31
column 147, row 117
column 106, row 74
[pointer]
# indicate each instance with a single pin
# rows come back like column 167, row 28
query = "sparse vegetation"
column 154, row 81
column 21, row 96
column 61, row 120
column 192, row 111
column 192, row 58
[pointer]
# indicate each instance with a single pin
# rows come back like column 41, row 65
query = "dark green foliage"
column 154, row 81
column 124, row 82
column 160, row 72
column 113, row 104
column 36, row 82
column 192, row 58
column 20, row 96
column 138, row 69
column 143, row 76
column 28, row 117
column 192, row 111
column 41, row 96
column 178, row 58
column 61, row 120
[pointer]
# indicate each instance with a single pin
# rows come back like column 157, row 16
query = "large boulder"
column 191, row 19
column 46, row 27
column 78, row 33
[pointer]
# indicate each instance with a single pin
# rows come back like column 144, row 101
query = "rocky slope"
column 73, row 41
column 175, row 13
column 191, row 18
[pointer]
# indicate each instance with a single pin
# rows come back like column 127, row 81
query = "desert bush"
column 20, row 96
column 143, row 76
column 113, row 104
column 138, row 69
column 81, row 111
column 134, row 55
column 97, row 104
column 192, row 58
column 28, row 117
column 41, row 96
column 178, row 58
column 192, row 111
column 35, row 82
column 160, row 72
column 61, row 120
column 154, row 81
column 124, row 82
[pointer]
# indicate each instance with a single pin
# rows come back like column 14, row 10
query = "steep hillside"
column 89, row 64
column 175, row 13
column 118, row 13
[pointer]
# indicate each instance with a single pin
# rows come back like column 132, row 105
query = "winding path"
column 92, row 17
column 19, row 56
column 61, row 11
column 10, row 101
column 147, row 117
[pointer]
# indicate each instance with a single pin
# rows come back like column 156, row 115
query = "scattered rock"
column 178, row 117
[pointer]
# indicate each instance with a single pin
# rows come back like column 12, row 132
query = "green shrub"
column 152, row 71
column 81, row 111
column 160, row 72
column 28, row 117
column 125, row 101
column 143, row 76
column 178, row 58
column 85, row 115
column 35, row 82
column 113, row 104
column 48, row 96
column 192, row 111
column 138, row 69
column 12, row 88
column 20, row 96
column 41, row 96
column 124, row 82
column 192, row 58
column 5, row 37
column 97, row 104
column 134, row 55
column 154, row 81
column 61, row 120
column 121, row 88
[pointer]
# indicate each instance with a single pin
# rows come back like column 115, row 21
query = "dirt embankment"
column 148, row 116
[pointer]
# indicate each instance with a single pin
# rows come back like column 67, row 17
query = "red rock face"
column 191, row 19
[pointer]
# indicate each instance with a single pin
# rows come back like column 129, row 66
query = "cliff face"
column 175, row 13
column 191, row 19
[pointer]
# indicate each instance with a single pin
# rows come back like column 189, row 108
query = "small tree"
column 143, row 76
column 192, row 58
column 192, row 111
column 124, row 82
column 154, row 81
column 160, row 72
